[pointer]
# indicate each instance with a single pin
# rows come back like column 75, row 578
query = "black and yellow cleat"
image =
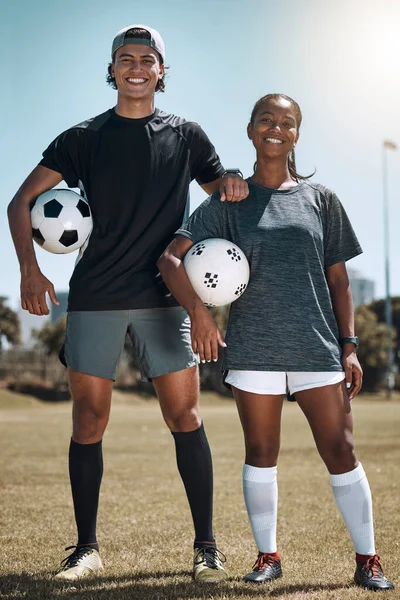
column 207, row 565
column 266, row 568
column 82, row 562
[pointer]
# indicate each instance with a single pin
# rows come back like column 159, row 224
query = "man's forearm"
column 19, row 216
column 19, row 219
column 212, row 187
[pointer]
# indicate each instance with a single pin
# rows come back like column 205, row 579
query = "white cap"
column 124, row 37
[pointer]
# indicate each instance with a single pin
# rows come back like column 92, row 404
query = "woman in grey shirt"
column 292, row 328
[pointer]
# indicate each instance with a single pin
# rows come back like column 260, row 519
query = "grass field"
column 145, row 531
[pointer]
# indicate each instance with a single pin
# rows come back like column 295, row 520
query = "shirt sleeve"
column 207, row 221
column 340, row 241
column 205, row 165
column 63, row 156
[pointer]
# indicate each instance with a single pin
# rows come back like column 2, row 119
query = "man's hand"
column 352, row 370
column 206, row 337
column 233, row 188
column 33, row 293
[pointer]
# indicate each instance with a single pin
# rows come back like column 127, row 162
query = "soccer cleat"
column 82, row 562
column 266, row 568
column 369, row 575
column 207, row 565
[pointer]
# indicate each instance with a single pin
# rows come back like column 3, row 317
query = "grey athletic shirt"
column 284, row 321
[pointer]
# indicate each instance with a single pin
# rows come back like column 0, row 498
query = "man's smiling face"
column 137, row 69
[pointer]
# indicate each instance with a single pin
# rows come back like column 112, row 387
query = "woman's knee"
column 339, row 454
column 263, row 453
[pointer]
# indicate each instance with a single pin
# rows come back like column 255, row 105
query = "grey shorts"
column 161, row 336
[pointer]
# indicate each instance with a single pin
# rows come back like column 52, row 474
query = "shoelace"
column 374, row 566
column 211, row 556
column 263, row 560
column 73, row 559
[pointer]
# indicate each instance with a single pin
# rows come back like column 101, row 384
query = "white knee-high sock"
column 353, row 498
column 260, row 490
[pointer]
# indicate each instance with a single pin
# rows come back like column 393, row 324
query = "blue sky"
column 340, row 60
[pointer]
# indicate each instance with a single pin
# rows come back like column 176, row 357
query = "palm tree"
column 9, row 324
column 49, row 339
column 51, row 336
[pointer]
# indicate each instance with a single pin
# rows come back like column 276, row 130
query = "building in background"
column 363, row 289
column 56, row 312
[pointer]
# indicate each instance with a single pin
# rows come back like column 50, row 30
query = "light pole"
column 387, row 145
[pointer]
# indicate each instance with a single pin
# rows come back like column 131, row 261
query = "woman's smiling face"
column 274, row 130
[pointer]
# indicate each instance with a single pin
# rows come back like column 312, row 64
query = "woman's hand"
column 206, row 337
column 352, row 370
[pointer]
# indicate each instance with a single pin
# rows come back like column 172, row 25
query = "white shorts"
column 277, row 382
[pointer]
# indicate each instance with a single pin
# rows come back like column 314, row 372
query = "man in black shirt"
column 134, row 163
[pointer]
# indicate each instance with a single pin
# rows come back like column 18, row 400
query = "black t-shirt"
column 135, row 174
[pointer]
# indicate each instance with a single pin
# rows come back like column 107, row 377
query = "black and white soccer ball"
column 61, row 221
column 218, row 271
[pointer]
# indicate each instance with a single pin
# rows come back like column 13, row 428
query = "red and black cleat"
column 266, row 568
column 369, row 575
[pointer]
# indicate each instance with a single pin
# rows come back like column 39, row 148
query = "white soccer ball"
column 218, row 271
column 61, row 221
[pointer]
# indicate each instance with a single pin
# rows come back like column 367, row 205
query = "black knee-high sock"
column 195, row 467
column 85, row 472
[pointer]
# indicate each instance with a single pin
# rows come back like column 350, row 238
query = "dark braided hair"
column 136, row 33
column 299, row 117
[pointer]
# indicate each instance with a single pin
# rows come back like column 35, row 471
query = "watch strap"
column 348, row 340
column 233, row 172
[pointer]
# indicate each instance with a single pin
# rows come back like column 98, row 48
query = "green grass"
column 145, row 529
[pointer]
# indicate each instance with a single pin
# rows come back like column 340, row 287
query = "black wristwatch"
column 233, row 172
column 348, row 340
